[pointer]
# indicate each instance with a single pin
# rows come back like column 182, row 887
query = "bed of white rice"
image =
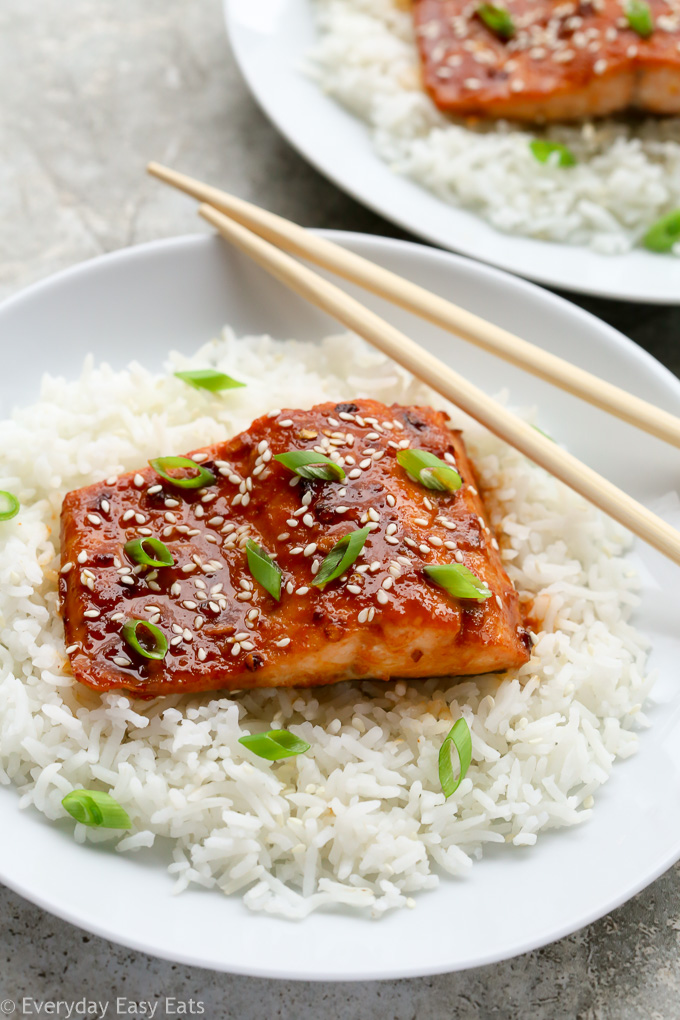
column 628, row 172
column 360, row 819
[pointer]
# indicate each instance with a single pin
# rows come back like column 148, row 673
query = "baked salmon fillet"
column 548, row 60
column 383, row 617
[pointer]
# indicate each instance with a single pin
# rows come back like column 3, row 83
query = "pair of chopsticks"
column 262, row 235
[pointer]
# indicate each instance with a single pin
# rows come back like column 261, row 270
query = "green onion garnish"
column 458, row 581
column 429, row 470
column 308, row 464
column 9, row 506
column 459, row 736
column 639, row 16
column 209, row 379
column 341, row 556
column 96, row 809
column 664, row 234
column 275, row 744
column 263, row 569
column 498, row 19
column 155, row 649
column 162, row 465
column 543, row 150
column 159, row 555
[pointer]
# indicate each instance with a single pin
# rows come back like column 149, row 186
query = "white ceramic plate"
column 270, row 39
column 177, row 294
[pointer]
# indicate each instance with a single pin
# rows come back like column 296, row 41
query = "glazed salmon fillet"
column 564, row 61
column 384, row 617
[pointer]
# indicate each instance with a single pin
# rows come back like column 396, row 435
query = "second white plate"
column 270, row 39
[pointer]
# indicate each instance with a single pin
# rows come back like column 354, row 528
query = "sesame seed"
column 92, row 614
column 310, row 549
column 138, row 480
column 371, row 614
column 363, row 616
column 301, row 591
column 391, row 540
column 170, row 518
column 290, row 587
column 235, row 648
column 391, row 501
column 346, row 416
column 354, row 588
column 246, row 584
column 127, row 580
column 94, row 519
column 424, row 548
column 176, row 589
column 120, row 660
column 600, row 66
column 198, row 622
column 190, row 604
column 421, row 520
column 433, row 540
column 202, row 654
column 391, row 528
column 283, row 536
column 286, row 423
column 382, row 597
column 458, row 557
column 176, row 641
column 373, row 514
column 283, row 643
column 308, row 520
column 291, row 522
column 341, row 509
column 306, row 499
column 450, row 545
column 82, row 557
column 65, row 569
column 375, row 565
column 170, row 503
column 387, row 583
column 118, row 616
column 71, row 649
column 213, row 607
column 188, row 567
column 153, row 489
column 354, row 473
column 296, row 550
column 365, row 463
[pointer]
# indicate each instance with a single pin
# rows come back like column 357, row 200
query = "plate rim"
column 626, row 291
column 72, row 916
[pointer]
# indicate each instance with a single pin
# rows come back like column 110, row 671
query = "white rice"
column 628, row 173
column 360, row 819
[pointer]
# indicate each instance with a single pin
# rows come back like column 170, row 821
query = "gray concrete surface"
column 91, row 90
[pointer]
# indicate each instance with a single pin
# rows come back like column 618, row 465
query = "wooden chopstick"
column 450, row 384
column 435, row 309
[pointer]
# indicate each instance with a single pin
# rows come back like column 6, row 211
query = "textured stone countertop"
column 91, row 90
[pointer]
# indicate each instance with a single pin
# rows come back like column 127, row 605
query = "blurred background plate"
column 270, row 39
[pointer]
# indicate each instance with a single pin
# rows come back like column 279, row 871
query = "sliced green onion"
column 96, row 809
column 341, row 556
column 136, row 549
column 263, row 568
column 639, row 17
column 664, row 234
column 429, row 470
column 9, row 506
column 458, row 581
column 498, row 19
column 162, row 467
column 459, row 737
column 157, row 649
column 546, row 435
column 275, row 744
column 543, row 150
column 308, row 464
column 209, row 379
